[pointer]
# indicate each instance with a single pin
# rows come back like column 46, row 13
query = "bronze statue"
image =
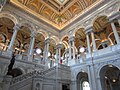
column 12, row 61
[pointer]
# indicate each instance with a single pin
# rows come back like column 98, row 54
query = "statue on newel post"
column 12, row 61
column 8, row 77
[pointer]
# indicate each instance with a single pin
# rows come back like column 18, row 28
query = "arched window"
column 86, row 85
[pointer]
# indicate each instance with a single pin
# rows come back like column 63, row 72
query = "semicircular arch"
column 103, row 65
column 43, row 33
column 10, row 16
column 82, row 27
column 28, row 25
column 63, row 37
column 56, row 39
column 98, row 16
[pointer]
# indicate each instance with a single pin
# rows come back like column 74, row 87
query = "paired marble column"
column 31, row 47
column 111, row 19
column 46, row 50
column 70, row 54
column 90, row 30
column 117, row 38
column 71, row 43
column 93, row 41
column 58, row 52
column 88, row 42
column 15, row 28
column 57, row 59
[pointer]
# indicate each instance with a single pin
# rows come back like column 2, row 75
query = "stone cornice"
column 114, row 16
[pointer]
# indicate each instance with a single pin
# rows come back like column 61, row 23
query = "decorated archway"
column 110, row 77
column 82, row 81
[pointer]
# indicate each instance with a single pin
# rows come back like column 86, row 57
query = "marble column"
column 44, row 53
column 89, row 77
column 93, row 41
column 31, row 47
column 59, row 47
column 88, row 42
column 117, row 38
column 92, row 77
column 59, row 54
column 46, row 50
column 57, row 60
column 15, row 28
column 99, row 84
column 73, row 45
column 69, row 50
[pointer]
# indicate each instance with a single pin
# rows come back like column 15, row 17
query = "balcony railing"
column 110, row 50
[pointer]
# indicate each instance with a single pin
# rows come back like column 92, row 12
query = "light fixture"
column 114, row 80
column 82, row 49
column 106, row 77
column 38, row 51
column 110, row 65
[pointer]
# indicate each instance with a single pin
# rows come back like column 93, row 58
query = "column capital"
column 59, row 46
column 71, row 38
column 88, row 29
column 33, row 34
column 114, row 16
column 47, row 40
column 17, row 27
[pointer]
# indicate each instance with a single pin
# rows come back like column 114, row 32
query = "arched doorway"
column 110, row 78
column 82, row 81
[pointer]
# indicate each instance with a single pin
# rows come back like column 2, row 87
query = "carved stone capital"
column 33, row 34
column 47, row 40
column 114, row 16
column 17, row 27
column 59, row 46
column 72, row 38
column 88, row 29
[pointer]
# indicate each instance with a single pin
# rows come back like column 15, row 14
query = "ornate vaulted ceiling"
column 58, row 13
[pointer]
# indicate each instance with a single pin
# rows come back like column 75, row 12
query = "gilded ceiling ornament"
column 58, row 13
